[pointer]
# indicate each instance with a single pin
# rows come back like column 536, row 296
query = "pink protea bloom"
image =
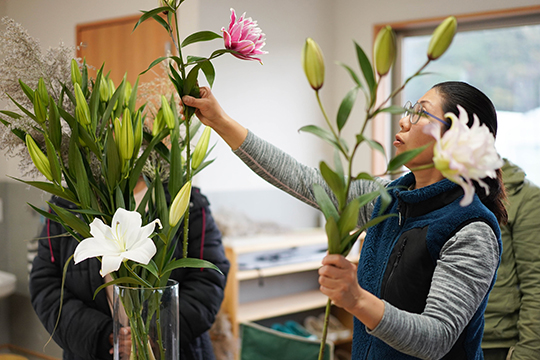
column 245, row 37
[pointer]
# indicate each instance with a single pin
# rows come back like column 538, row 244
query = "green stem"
column 325, row 329
column 330, row 125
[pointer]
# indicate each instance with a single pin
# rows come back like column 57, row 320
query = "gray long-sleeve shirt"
column 462, row 277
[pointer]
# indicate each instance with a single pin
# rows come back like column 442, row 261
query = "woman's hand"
column 124, row 347
column 338, row 281
column 211, row 114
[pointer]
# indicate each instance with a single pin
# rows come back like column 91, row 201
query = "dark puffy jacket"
column 86, row 324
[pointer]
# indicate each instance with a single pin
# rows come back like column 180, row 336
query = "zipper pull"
column 399, row 218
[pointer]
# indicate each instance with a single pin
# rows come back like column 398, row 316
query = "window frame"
column 382, row 131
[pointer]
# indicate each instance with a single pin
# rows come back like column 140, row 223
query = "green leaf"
column 154, row 63
column 122, row 281
column 141, row 161
column 133, row 98
column 76, row 166
column 348, row 242
column 27, row 90
column 376, row 221
column 209, row 72
column 151, row 267
column 200, row 36
column 346, row 107
column 375, row 145
column 325, row 203
column 53, row 189
column 335, row 182
column 113, row 164
column 352, row 73
column 119, row 198
column 394, row 109
column 56, row 169
column 161, row 202
column 349, row 218
column 332, row 233
column 191, row 79
column 150, row 14
column 367, row 69
column 23, row 109
column 55, row 126
column 162, row 22
column 321, row 133
column 72, row 221
column 190, row 263
column 404, row 158
column 11, row 114
column 365, row 199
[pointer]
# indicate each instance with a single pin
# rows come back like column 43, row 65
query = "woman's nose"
column 404, row 122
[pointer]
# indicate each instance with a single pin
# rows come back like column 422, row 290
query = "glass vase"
column 146, row 322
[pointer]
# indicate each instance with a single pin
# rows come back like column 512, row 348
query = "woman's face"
column 413, row 136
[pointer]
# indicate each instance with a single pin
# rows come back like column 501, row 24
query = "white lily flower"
column 464, row 154
column 124, row 240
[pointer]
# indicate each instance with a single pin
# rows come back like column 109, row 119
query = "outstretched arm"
column 211, row 114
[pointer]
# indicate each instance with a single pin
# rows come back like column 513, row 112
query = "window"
column 501, row 58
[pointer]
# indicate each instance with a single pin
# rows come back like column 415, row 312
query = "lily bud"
column 42, row 92
column 82, row 112
column 39, row 159
column 168, row 116
column 200, row 149
column 384, row 50
column 313, row 63
column 104, row 94
column 158, row 124
column 180, row 204
column 39, row 109
column 123, row 131
column 76, row 77
column 127, row 92
column 442, row 38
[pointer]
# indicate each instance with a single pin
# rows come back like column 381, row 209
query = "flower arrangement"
column 89, row 140
column 462, row 154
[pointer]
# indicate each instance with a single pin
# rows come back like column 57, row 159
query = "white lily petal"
column 143, row 253
column 89, row 248
column 110, row 263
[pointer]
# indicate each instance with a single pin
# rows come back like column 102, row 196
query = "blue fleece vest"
column 444, row 219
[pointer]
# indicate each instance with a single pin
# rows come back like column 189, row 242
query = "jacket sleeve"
column 524, row 232
column 201, row 290
column 82, row 329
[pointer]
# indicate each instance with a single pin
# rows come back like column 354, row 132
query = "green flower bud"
column 39, row 159
column 104, row 94
column 42, row 92
column 384, row 50
column 168, row 116
column 180, row 204
column 127, row 93
column 123, row 131
column 200, row 149
column 442, row 38
column 158, row 124
column 313, row 63
column 39, row 109
column 82, row 112
column 76, row 77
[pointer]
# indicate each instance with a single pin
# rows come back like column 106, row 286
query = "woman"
column 422, row 282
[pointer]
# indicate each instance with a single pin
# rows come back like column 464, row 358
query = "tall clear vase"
column 146, row 323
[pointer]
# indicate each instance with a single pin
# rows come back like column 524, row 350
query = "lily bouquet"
column 95, row 145
column 462, row 154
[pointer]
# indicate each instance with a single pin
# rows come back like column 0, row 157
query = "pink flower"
column 464, row 154
column 245, row 37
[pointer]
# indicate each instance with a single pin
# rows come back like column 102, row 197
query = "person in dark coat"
column 84, row 330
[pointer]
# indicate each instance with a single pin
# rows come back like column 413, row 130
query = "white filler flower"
column 464, row 154
column 124, row 240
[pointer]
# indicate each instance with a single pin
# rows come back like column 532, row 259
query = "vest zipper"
column 395, row 264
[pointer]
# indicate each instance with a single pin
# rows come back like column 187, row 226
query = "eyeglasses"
column 416, row 111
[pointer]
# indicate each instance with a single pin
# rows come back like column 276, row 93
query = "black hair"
column 474, row 101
